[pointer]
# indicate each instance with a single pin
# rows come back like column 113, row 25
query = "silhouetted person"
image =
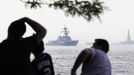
column 42, row 63
column 15, row 51
column 95, row 60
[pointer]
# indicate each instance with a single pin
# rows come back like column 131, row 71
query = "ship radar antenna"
column 65, row 31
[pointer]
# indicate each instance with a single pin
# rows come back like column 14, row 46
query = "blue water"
column 121, row 57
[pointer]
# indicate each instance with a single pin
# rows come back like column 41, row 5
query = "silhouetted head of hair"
column 101, row 44
column 16, row 29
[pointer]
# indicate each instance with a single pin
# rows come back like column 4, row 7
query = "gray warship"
column 64, row 40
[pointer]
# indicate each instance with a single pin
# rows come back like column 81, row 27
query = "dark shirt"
column 15, row 56
column 43, row 65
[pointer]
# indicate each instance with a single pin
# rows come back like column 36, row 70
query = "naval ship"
column 64, row 40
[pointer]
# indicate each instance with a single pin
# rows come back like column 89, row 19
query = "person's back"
column 98, row 64
column 95, row 60
column 16, row 57
column 15, row 51
column 42, row 63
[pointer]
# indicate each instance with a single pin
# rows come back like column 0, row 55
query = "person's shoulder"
column 86, row 51
column 46, row 54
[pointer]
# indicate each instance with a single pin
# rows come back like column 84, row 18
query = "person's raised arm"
column 38, row 28
column 79, row 60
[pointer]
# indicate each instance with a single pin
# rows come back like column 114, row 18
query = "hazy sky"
column 114, row 26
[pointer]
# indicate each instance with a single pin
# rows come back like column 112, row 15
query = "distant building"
column 128, row 41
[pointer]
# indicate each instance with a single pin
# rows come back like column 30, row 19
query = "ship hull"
column 62, row 43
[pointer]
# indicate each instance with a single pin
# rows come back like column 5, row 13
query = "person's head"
column 101, row 44
column 16, row 29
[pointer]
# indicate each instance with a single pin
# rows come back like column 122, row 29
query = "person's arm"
column 80, row 59
column 39, row 49
column 38, row 28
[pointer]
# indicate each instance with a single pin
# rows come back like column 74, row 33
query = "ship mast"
column 65, row 31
